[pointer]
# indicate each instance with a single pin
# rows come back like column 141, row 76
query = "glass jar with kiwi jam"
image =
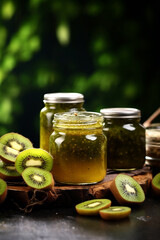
column 78, row 147
column 54, row 103
column 125, row 138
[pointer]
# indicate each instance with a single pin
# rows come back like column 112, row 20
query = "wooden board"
column 69, row 195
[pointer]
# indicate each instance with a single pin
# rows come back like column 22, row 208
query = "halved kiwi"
column 11, row 144
column 34, row 157
column 115, row 213
column 126, row 190
column 3, row 190
column 8, row 172
column 155, row 184
column 92, row 207
column 38, row 178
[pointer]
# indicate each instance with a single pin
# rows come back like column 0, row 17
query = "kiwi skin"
column 4, row 194
column 35, row 170
column 155, row 184
column 82, row 208
column 115, row 213
column 122, row 199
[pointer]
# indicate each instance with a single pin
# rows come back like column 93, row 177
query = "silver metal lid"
column 121, row 112
column 63, row 98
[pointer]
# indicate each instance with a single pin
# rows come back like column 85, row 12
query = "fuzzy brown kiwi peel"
column 3, row 190
column 126, row 190
column 11, row 144
column 92, row 207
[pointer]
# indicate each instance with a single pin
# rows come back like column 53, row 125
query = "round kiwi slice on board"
column 115, row 213
column 11, row 144
column 34, row 157
column 8, row 172
column 155, row 184
column 92, row 207
column 3, row 190
column 126, row 190
column 38, row 178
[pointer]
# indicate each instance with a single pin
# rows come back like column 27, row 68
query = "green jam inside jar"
column 79, row 152
column 126, row 143
column 46, row 118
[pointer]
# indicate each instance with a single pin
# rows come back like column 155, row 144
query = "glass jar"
column 153, row 145
column 56, row 102
column 78, row 147
column 125, row 138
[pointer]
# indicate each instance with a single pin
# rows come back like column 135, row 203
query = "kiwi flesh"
column 92, row 207
column 155, row 184
column 11, row 144
column 126, row 190
column 115, row 213
column 8, row 172
column 3, row 190
column 38, row 178
column 34, row 157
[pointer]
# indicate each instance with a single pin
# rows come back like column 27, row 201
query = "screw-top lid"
column 63, row 98
column 121, row 112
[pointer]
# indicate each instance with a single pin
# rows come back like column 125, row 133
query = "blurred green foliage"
column 107, row 50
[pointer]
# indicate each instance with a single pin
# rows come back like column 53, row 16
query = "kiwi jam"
column 125, row 138
column 54, row 103
column 78, row 147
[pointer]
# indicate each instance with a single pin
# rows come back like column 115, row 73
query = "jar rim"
column 78, row 118
column 121, row 112
column 66, row 97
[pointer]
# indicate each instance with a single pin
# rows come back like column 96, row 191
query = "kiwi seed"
column 92, row 207
column 155, row 184
column 8, row 171
column 3, row 190
column 115, row 213
column 126, row 190
column 11, row 144
column 34, row 157
column 38, row 178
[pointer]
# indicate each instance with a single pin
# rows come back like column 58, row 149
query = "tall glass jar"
column 125, row 138
column 56, row 102
column 78, row 147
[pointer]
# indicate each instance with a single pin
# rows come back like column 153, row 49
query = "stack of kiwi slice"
column 20, row 161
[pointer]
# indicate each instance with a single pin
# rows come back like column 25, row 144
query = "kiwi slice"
column 38, row 178
column 155, row 184
column 11, row 144
column 92, row 207
column 126, row 190
column 3, row 190
column 115, row 213
column 8, row 172
column 34, row 157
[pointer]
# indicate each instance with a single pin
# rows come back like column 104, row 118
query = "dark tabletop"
column 63, row 223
